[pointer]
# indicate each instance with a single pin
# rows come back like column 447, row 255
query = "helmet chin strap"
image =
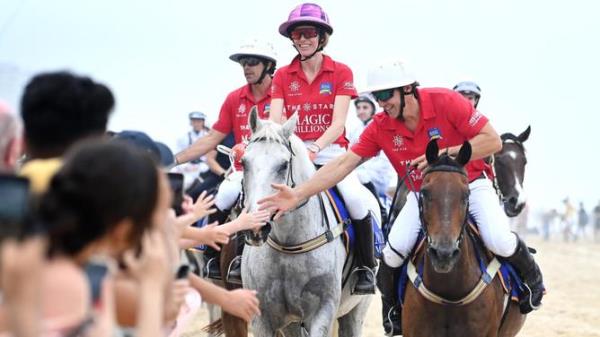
column 262, row 76
column 403, row 101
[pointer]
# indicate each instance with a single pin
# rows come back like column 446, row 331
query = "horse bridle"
column 290, row 177
column 419, row 197
column 506, row 138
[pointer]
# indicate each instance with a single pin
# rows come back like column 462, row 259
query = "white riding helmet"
column 468, row 87
column 389, row 75
column 255, row 47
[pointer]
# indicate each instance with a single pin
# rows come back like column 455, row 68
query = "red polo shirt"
column 445, row 115
column 235, row 111
column 314, row 101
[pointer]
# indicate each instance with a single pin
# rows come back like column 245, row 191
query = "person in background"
column 597, row 222
column 470, row 90
column 377, row 173
column 21, row 261
column 568, row 215
column 196, row 167
column 582, row 221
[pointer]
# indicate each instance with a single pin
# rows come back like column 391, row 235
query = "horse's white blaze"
column 520, row 191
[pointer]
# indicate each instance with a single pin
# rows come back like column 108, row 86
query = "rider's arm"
column 213, row 164
column 485, row 143
column 200, row 147
column 276, row 112
column 329, row 175
column 338, row 121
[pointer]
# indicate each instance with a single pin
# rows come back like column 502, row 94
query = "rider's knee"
column 391, row 258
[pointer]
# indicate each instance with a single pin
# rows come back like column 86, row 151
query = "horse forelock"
column 445, row 163
column 270, row 132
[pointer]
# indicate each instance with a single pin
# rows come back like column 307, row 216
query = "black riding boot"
column 365, row 285
column 234, row 274
column 387, row 280
column 212, row 262
column 523, row 262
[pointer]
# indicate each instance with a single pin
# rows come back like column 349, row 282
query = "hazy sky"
column 536, row 61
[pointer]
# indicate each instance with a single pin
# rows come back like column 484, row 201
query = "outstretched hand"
column 284, row 200
column 252, row 221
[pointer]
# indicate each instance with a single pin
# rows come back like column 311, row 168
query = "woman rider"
column 319, row 90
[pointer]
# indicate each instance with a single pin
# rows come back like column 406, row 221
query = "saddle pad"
column 349, row 237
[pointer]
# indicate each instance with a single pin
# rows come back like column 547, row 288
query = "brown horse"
column 451, row 298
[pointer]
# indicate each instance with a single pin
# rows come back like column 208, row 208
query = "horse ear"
column 290, row 125
column 254, row 121
column 464, row 154
column 525, row 134
column 432, row 152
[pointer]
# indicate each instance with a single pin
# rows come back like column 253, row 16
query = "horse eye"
column 426, row 195
column 282, row 167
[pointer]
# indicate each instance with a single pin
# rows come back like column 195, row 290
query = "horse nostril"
column 513, row 201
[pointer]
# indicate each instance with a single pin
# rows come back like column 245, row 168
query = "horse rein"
column 487, row 275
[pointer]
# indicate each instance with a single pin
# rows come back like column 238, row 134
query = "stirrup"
column 232, row 280
column 353, row 290
column 206, row 269
column 529, row 298
column 389, row 320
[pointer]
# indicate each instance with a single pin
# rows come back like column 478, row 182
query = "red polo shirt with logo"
column 313, row 101
column 235, row 112
column 445, row 115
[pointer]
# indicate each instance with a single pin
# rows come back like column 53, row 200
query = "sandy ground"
column 571, row 307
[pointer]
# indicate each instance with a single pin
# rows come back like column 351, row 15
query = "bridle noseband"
column 419, row 197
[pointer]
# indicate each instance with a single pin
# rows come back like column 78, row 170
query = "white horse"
column 301, row 294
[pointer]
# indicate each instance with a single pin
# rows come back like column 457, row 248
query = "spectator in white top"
column 194, row 168
column 377, row 173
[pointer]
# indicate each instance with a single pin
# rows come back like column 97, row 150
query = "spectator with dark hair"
column 59, row 109
column 95, row 211
column 597, row 222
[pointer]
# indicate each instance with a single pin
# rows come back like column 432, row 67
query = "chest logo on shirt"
column 434, row 133
column 306, row 107
column 398, row 143
column 325, row 88
column 242, row 109
column 294, row 86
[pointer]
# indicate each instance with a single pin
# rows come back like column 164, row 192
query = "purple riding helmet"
column 306, row 13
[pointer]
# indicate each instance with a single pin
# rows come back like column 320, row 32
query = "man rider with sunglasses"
column 258, row 61
column 412, row 117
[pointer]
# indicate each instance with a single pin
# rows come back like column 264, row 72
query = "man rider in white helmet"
column 258, row 61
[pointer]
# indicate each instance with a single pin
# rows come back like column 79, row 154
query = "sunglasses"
column 383, row 95
column 307, row 32
column 249, row 61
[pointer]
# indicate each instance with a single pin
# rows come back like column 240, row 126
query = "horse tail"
column 234, row 326
column 229, row 324
column 215, row 328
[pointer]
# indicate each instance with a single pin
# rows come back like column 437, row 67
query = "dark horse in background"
column 509, row 166
column 453, row 297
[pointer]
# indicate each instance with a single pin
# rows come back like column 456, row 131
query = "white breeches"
column 229, row 191
column 359, row 200
column 483, row 206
